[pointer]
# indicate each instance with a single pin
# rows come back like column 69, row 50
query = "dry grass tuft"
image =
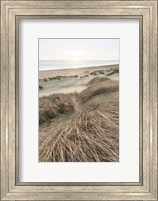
column 105, row 87
column 113, row 71
column 97, row 80
column 54, row 105
column 86, row 137
column 87, row 130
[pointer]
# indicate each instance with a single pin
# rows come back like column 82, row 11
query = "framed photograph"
column 78, row 100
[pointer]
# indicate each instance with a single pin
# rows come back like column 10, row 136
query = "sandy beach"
column 79, row 115
column 73, row 80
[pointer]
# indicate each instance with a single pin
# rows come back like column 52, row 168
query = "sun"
column 76, row 56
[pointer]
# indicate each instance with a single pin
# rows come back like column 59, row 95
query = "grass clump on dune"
column 89, row 133
column 96, row 80
column 86, row 137
column 40, row 87
column 113, row 71
column 105, row 87
column 54, row 105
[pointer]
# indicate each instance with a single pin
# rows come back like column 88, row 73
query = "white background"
column 127, row 169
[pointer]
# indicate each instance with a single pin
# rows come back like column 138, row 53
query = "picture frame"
column 11, row 12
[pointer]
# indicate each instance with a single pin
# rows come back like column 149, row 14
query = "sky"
column 78, row 49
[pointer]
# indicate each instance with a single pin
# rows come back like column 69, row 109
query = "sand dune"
column 68, row 80
column 79, row 119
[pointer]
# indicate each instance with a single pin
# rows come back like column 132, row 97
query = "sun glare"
column 75, row 56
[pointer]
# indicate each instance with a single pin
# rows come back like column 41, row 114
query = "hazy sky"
column 78, row 49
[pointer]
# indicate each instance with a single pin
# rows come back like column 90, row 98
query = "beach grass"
column 81, row 127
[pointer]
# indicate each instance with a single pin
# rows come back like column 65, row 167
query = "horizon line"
column 78, row 67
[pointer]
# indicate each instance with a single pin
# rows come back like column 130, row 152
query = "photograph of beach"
column 78, row 100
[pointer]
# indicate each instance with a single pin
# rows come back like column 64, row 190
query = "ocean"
column 54, row 65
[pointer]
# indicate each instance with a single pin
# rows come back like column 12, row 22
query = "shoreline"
column 72, row 71
column 109, row 65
